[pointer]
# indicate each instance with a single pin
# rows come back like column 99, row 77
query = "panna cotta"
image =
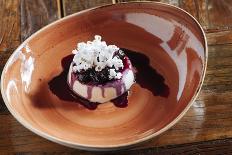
column 99, row 72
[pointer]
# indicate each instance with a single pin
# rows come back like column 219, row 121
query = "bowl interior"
column 163, row 37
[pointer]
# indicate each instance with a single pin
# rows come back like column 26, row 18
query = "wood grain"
column 198, row 9
column 209, row 118
column 220, row 23
column 15, row 138
column 72, row 6
column 9, row 29
column 9, row 25
column 220, row 14
column 36, row 14
column 219, row 37
column 9, row 35
column 172, row 2
column 209, row 147
column 214, row 16
column 210, row 13
column 191, row 7
column 23, row 141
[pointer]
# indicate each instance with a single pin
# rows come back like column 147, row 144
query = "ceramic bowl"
column 169, row 41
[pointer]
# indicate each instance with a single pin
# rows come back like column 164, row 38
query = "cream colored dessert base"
column 110, row 92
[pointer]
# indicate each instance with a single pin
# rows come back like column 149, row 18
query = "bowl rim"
column 47, row 136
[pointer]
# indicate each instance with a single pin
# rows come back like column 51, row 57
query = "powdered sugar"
column 96, row 54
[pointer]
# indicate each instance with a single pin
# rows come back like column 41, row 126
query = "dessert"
column 99, row 72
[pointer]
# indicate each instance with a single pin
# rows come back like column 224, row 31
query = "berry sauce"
column 146, row 77
column 59, row 86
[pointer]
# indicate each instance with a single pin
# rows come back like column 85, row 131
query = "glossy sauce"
column 146, row 77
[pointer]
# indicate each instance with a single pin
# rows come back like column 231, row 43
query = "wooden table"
column 207, row 126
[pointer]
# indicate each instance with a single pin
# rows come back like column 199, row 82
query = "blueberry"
column 91, row 76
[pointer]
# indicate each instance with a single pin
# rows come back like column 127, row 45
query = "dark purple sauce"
column 121, row 101
column 103, row 92
column 89, row 92
column 146, row 77
column 73, row 78
column 59, row 86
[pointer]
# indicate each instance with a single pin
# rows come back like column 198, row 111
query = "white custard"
column 102, row 93
column 97, row 55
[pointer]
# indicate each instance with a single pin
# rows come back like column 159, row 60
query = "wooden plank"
column 24, row 141
column 198, row 9
column 37, row 14
column 218, row 76
column 214, row 16
column 219, row 30
column 9, row 29
column 220, row 14
column 9, row 25
column 15, row 138
column 172, row 2
column 219, row 37
column 120, row 1
column 191, row 7
column 208, row 147
column 72, row 6
column 9, row 35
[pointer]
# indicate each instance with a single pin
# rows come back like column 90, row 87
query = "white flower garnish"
column 114, row 75
column 96, row 54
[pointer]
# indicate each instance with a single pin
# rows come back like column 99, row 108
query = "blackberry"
column 91, row 76
column 84, row 77
column 103, row 76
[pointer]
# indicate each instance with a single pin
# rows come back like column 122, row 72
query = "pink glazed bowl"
column 171, row 38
